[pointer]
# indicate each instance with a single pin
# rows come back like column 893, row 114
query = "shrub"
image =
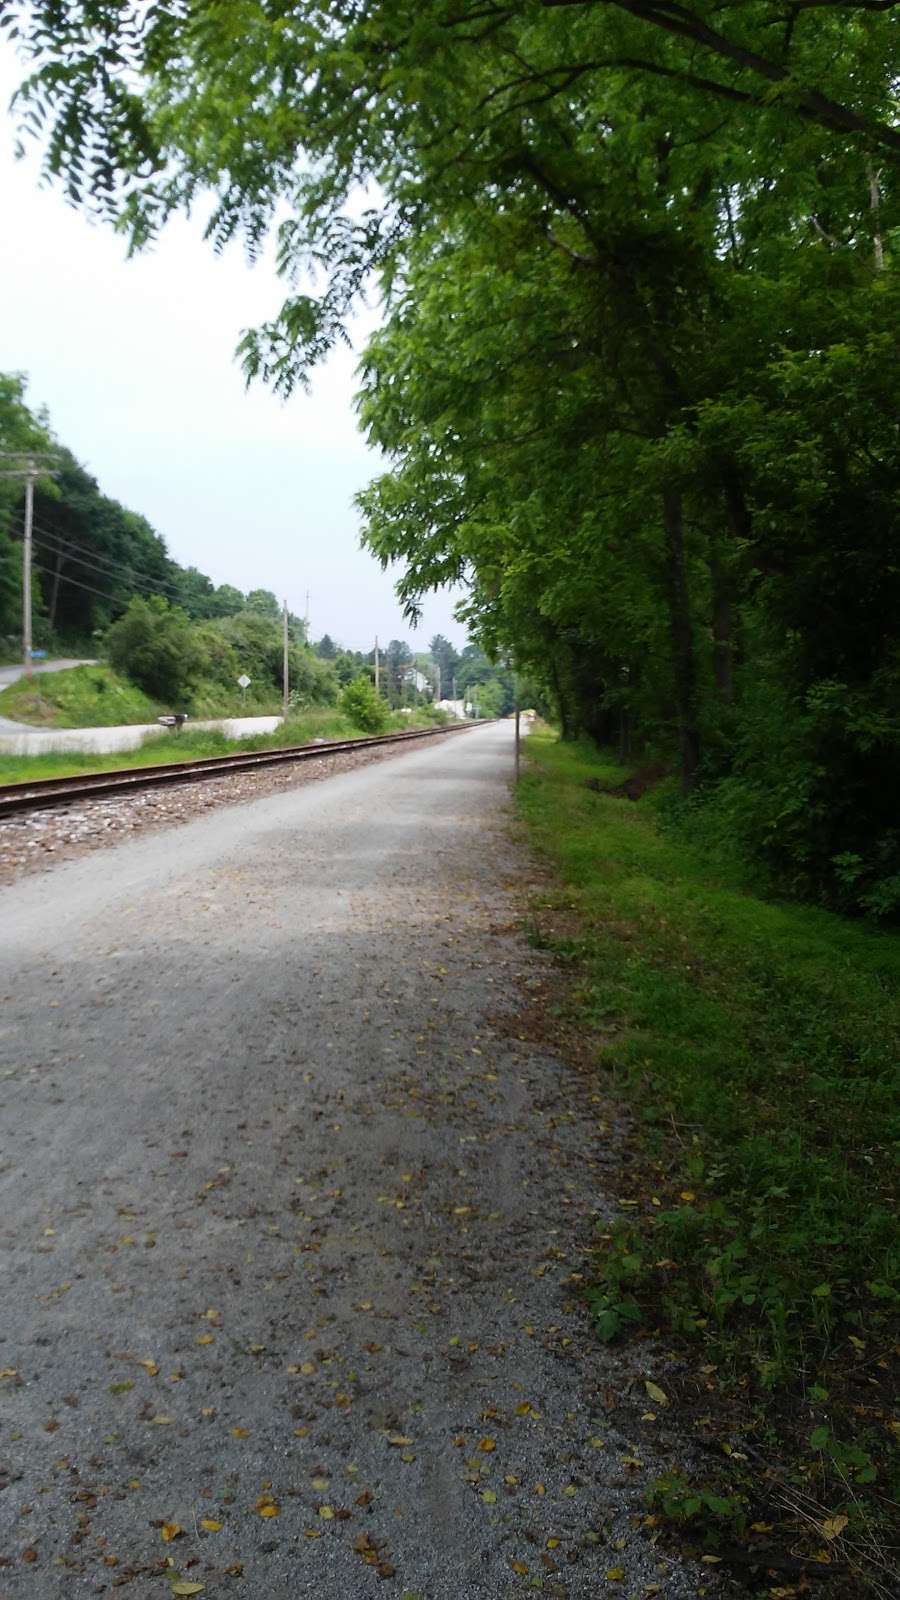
column 361, row 702
column 155, row 646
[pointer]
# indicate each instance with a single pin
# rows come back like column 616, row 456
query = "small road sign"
column 244, row 681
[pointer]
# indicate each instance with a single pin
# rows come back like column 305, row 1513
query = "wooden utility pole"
column 26, row 568
column 286, row 682
column 30, row 470
column 377, row 667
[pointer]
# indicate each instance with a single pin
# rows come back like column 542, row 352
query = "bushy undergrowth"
column 768, row 1036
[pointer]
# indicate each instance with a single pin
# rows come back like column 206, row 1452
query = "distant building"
column 454, row 708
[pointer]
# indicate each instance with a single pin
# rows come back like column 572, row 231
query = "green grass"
column 768, row 1037
column 322, row 722
column 98, row 697
column 78, row 697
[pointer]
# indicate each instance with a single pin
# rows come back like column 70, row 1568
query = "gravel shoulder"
column 292, row 1221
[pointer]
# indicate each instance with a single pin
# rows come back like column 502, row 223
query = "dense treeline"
column 636, row 378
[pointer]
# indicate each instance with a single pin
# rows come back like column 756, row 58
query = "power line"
column 98, row 562
column 63, row 579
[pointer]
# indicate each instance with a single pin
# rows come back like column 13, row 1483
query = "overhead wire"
column 102, row 564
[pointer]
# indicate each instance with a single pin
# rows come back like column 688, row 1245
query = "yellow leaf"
column 321, row 1483
column 688, row 1194
column 170, row 1531
column 267, row 1507
column 210, row 1525
column 489, row 1497
column 205, row 1338
column 711, row 1561
column 161, row 1421
column 615, row 1574
column 307, row 1367
column 398, row 1439
column 213, row 1315
column 326, row 1513
column 8, row 1372
column 553, row 1544
column 656, row 1393
column 241, row 1433
column 187, row 1588
column 519, row 1566
column 761, row 1527
column 833, row 1527
column 540, row 1488
column 149, row 1366
column 487, row 1445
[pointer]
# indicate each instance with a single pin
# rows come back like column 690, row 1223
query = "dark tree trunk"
column 54, row 596
column 682, row 633
column 723, row 665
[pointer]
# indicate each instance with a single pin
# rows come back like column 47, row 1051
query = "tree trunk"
column 683, row 666
column 54, row 596
column 722, row 631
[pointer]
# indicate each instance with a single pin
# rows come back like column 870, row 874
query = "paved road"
column 288, row 1213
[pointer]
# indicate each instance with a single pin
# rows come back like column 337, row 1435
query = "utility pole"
column 29, row 470
column 286, row 684
column 306, row 619
column 377, row 667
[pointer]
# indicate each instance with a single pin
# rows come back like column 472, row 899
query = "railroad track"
column 17, row 797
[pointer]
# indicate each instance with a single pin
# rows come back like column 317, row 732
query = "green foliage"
column 364, row 706
column 154, row 644
column 770, row 1034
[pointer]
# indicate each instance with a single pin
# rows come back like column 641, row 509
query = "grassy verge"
column 193, row 744
column 759, row 1044
column 91, row 697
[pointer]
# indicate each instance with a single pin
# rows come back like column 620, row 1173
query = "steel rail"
column 43, row 792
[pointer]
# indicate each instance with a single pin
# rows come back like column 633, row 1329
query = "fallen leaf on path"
column 210, row 1524
column 149, row 1366
column 833, row 1527
column 398, row 1439
column 267, row 1507
column 487, row 1445
column 188, row 1588
column 170, row 1531
column 656, row 1393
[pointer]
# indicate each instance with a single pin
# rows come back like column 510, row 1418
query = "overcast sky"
column 134, row 360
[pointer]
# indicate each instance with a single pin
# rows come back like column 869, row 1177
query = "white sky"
column 135, row 362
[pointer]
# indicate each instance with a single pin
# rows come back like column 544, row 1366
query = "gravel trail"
column 288, row 1226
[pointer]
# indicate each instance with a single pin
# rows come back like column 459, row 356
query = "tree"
column 326, row 648
column 445, row 658
column 154, row 645
column 264, row 602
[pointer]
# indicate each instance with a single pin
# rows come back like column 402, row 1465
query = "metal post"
column 286, row 682
column 26, row 568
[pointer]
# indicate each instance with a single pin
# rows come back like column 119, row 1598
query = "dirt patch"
column 635, row 787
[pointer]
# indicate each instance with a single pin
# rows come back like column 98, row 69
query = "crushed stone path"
column 289, row 1226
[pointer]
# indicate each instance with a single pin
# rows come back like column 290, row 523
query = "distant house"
column 454, row 708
